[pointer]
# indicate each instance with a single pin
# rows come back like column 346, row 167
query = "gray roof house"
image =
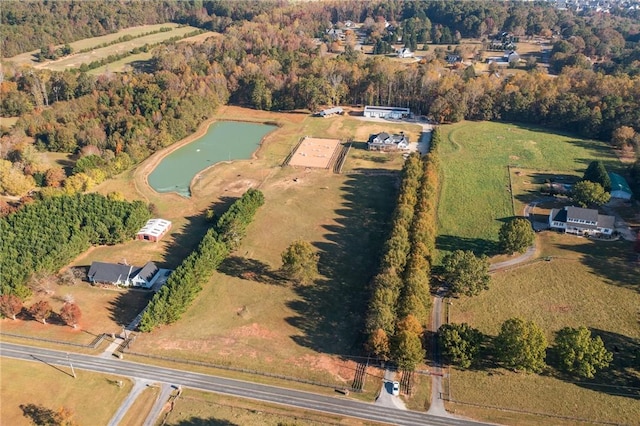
column 121, row 274
column 386, row 142
column 576, row 220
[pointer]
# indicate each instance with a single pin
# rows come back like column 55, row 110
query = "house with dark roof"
column 579, row 221
column 122, row 274
column 386, row 142
column 619, row 187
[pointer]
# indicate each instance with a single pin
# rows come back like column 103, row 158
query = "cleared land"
column 88, row 43
column 92, row 397
column 314, row 152
column 588, row 283
column 476, row 196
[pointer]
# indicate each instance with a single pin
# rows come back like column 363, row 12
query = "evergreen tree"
column 597, row 173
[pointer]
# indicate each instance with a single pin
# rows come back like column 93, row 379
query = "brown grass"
column 141, row 407
column 92, row 397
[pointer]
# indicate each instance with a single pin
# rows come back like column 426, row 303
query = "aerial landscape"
column 219, row 212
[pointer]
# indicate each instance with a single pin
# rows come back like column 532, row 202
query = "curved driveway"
column 305, row 400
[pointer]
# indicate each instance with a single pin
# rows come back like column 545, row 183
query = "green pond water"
column 224, row 141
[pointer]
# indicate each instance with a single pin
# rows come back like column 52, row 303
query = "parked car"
column 396, row 389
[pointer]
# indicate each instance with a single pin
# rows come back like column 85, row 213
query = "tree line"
column 401, row 295
column 522, row 346
column 11, row 305
column 44, row 236
column 184, row 284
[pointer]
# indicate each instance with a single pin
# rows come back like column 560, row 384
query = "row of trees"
column 183, row 285
column 399, row 306
column 522, row 345
column 45, row 235
column 11, row 305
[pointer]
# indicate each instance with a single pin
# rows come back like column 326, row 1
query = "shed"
column 619, row 187
column 154, row 230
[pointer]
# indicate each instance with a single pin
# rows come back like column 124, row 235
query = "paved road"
column 137, row 389
column 335, row 405
column 437, row 403
column 386, row 398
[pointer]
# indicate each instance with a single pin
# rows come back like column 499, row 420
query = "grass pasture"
column 92, row 397
column 588, row 283
column 475, row 196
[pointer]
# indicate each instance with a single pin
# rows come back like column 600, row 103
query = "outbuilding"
column 619, row 187
column 386, row 112
column 154, row 230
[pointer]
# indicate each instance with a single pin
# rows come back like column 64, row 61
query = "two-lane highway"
column 306, row 400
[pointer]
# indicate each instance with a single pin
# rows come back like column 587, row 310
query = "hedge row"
column 401, row 300
column 184, row 284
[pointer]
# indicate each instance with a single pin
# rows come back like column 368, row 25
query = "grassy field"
column 475, row 196
column 92, row 397
column 198, row 408
column 88, row 43
column 588, row 283
column 141, row 407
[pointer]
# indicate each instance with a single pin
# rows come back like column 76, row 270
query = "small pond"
column 224, row 141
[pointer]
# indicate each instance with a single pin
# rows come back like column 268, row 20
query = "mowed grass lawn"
column 590, row 283
column 92, row 398
column 475, row 196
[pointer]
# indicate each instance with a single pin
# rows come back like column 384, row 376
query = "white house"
column 386, row 142
column 386, row 112
column 576, row 220
column 405, row 53
column 122, row 274
column 331, row 111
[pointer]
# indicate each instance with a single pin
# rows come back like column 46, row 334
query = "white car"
column 396, row 389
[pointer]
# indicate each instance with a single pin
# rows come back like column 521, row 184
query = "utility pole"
column 71, row 365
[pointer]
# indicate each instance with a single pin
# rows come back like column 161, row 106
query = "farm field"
column 475, row 195
column 87, row 43
column 92, row 398
column 588, row 283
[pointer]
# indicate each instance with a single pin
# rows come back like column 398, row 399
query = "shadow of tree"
column 40, row 415
column 614, row 261
column 124, row 308
column 191, row 234
column 251, row 269
column 621, row 378
column 198, row 421
column 331, row 311
column 478, row 246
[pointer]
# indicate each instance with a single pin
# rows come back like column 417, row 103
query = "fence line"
column 240, row 370
column 94, row 344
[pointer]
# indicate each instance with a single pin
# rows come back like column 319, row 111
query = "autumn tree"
column 597, row 173
column 460, row 343
column 521, row 345
column 623, row 136
column 587, row 193
column 516, row 236
column 300, row 262
column 465, row 273
column 378, row 343
column 579, row 353
column 40, row 311
column 70, row 314
column 10, row 305
column 408, row 352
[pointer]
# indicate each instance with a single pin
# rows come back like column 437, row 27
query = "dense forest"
column 276, row 56
column 46, row 235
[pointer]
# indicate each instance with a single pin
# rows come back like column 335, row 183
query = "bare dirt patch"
column 315, row 152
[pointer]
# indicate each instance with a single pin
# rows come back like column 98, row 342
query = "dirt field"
column 314, row 152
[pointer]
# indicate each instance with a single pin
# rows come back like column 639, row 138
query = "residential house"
column 576, row 220
column 386, row 142
column 122, row 274
column 619, row 187
column 405, row 53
